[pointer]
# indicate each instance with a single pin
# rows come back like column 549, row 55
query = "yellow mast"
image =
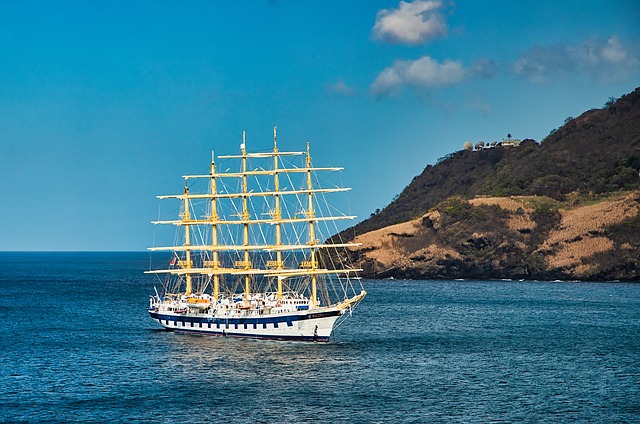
column 186, row 216
column 312, row 234
column 245, row 217
column 278, row 213
column 214, row 228
column 243, row 268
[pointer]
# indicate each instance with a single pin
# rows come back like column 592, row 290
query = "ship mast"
column 186, row 216
column 214, row 228
column 245, row 218
column 277, row 213
column 312, row 234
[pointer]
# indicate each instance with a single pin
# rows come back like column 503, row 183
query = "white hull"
column 314, row 325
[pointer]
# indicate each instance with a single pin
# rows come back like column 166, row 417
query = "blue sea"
column 78, row 346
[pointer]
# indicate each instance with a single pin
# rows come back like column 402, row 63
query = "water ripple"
column 414, row 351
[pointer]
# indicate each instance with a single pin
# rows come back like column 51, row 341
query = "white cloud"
column 340, row 87
column 427, row 73
column 598, row 53
column 388, row 80
column 411, row 23
column 605, row 60
column 484, row 68
column 538, row 63
column 614, row 51
column 421, row 73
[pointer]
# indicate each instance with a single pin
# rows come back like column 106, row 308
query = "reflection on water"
column 248, row 360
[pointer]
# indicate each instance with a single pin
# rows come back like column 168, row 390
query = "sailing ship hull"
column 313, row 326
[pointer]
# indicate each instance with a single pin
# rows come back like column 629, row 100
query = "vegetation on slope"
column 595, row 153
column 515, row 237
column 567, row 208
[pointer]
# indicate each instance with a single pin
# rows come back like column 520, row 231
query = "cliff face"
column 566, row 208
column 510, row 237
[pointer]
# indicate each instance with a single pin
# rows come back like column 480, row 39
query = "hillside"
column 565, row 208
column 510, row 237
column 597, row 152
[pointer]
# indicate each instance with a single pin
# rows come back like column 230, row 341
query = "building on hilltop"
column 481, row 145
column 511, row 142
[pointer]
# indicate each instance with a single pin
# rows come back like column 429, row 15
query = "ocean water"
column 78, row 346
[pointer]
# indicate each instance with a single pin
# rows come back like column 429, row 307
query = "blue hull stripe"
column 243, row 322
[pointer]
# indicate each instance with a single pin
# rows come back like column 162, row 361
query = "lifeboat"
column 198, row 303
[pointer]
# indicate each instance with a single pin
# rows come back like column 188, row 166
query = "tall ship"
column 252, row 256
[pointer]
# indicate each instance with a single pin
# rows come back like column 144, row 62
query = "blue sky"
column 104, row 105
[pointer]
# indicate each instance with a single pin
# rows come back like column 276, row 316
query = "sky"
column 106, row 104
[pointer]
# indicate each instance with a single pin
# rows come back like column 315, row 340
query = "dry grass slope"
column 580, row 233
column 566, row 249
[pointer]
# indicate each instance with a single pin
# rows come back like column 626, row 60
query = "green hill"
column 565, row 208
column 595, row 153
